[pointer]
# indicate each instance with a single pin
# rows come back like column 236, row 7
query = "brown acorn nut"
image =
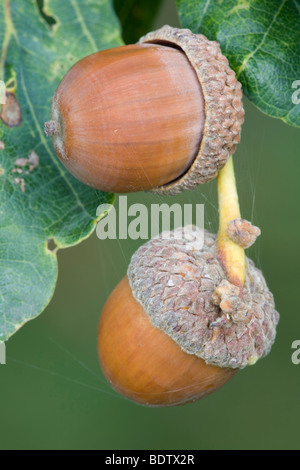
column 163, row 115
column 175, row 329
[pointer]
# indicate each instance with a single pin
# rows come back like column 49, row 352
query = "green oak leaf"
column 261, row 40
column 39, row 199
column 137, row 17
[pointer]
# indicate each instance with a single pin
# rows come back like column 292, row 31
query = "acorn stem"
column 231, row 255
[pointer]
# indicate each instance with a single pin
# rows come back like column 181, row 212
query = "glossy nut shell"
column 143, row 363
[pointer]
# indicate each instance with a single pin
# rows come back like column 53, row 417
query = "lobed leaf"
column 39, row 199
column 261, row 40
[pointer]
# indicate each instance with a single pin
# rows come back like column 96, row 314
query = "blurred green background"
column 53, row 394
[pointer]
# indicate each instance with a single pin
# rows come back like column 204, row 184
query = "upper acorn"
column 163, row 115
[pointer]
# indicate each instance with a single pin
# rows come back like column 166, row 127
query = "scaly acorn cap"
column 223, row 105
column 184, row 291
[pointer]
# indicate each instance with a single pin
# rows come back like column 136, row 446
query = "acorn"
column 162, row 115
column 175, row 329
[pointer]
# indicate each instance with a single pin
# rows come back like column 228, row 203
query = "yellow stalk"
column 231, row 255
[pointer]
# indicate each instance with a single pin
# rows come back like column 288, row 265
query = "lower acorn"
column 175, row 329
column 143, row 363
column 188, row 315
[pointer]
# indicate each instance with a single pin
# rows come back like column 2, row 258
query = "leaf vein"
column 83, row 25
column 251, row 55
